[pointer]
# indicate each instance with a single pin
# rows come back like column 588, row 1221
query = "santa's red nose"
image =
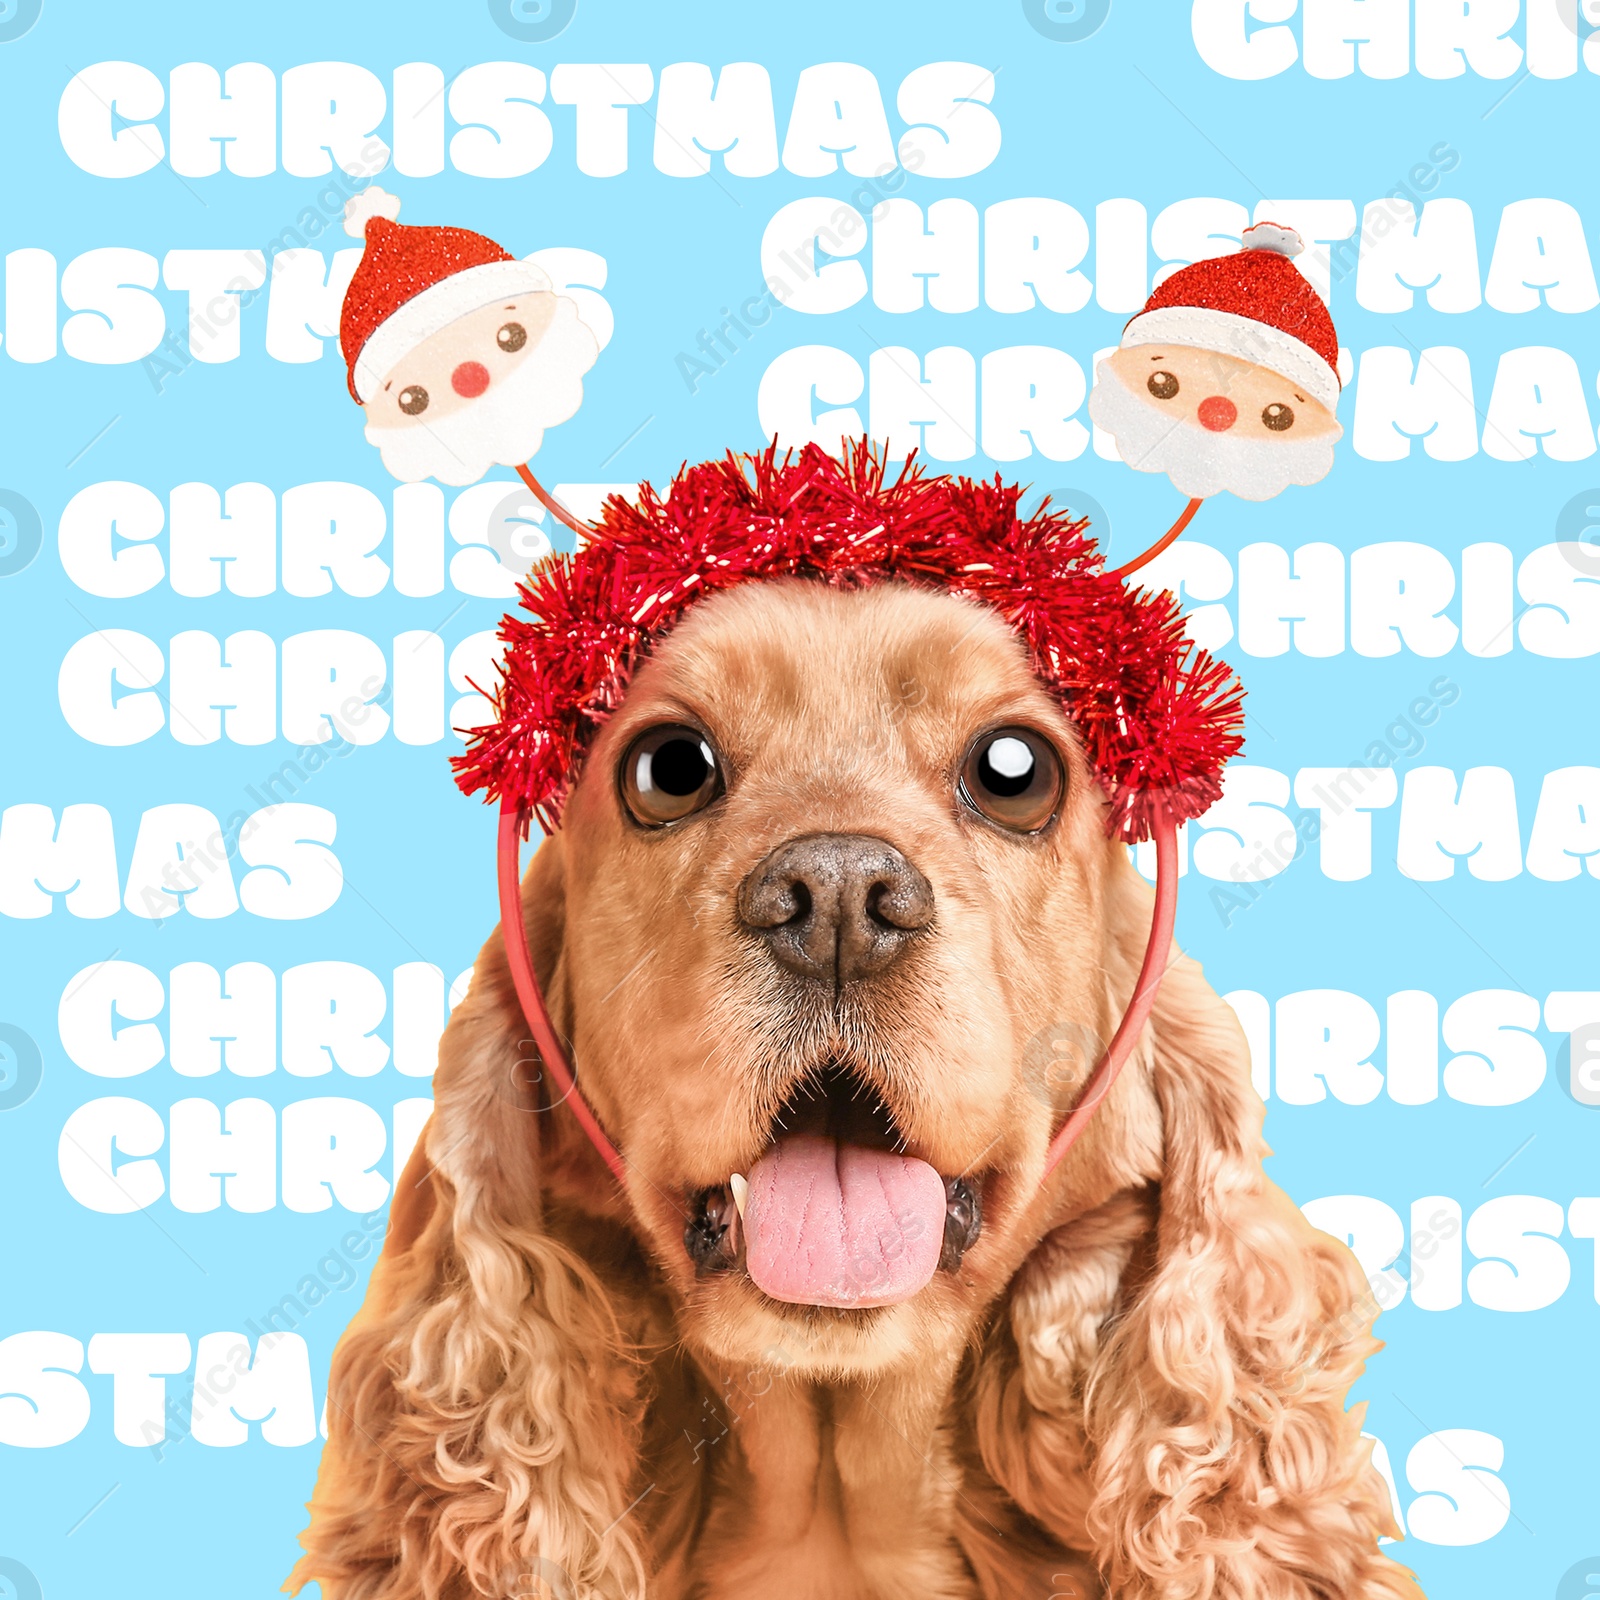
column 472, row 378
column 1215, row 413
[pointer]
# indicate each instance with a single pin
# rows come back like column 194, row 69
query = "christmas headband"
column 1225, row 382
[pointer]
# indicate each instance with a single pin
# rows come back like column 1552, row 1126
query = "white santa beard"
column 1199, row 462
column 505, row 425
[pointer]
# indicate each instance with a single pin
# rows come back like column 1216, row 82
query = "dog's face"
column 836, row 879
column 833, row 890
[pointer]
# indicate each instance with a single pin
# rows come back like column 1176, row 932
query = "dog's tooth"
column 741, row 1190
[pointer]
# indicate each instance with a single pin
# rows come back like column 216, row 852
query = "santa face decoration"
column 460, row 355
column 1228, row 379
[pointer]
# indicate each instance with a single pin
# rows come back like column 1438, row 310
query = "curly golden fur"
column 1134, row 1382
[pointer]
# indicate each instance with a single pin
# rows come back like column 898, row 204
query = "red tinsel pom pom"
column 1159, row 717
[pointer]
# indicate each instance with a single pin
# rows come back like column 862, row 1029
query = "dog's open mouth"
column 834, row 1213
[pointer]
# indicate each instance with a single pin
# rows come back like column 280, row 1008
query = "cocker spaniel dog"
column 834, row 928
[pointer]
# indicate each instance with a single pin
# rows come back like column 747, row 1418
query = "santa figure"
column 460, row 354
column 1228, row 379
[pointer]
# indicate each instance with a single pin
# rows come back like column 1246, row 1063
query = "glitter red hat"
column 1254, row 304
column 1159, row 717
column 413, row 281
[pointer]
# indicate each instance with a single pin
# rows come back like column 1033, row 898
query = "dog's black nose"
column 836, row 906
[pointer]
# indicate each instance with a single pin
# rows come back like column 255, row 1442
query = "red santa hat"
column 411, row 282
column 1255, row 305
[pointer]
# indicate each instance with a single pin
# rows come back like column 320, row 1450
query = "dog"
column 880, row 919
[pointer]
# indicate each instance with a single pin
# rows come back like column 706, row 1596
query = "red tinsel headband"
column 1159, row 717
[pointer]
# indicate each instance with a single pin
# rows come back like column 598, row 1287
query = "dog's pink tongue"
column 830, row 1224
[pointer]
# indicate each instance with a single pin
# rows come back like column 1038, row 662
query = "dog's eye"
column 1013, row 777
column 512, row 336
column 668, row 774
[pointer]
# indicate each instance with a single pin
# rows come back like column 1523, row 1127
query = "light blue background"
column 1129, row 111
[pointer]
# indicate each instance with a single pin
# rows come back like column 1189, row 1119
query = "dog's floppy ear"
column 1179, row 1378
column 480, row 1405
